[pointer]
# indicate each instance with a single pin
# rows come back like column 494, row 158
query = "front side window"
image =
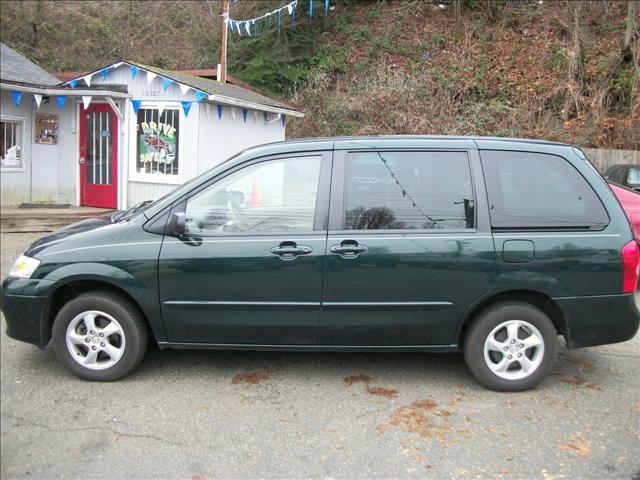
column 408, row 190
column 535, row 190
column 157, row 141
column 11, row 144
column 273, row 196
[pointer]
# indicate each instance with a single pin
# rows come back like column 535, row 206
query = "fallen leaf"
column 252, row 378
column 577, row 445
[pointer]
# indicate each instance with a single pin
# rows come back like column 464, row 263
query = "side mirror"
column 177, row 223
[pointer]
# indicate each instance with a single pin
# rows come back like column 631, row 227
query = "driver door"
column 248, row 270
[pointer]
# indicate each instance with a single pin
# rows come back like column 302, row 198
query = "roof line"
column 223, row 99
column 77, row 92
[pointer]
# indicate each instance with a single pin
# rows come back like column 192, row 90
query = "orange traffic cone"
column 254, row 200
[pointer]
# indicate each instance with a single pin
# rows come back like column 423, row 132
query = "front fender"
column 141, row 286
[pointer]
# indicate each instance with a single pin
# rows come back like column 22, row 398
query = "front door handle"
column 348, row 249
column 290, row 250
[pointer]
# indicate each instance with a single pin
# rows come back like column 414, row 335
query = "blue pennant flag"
column 17, row 96
column 266, row 116
column 134, row 71
column 310, row 8
column 136, row 105
column 219, row 111
column 186, row 106
column 293, row 13
column 200, row 95
column 326, row 7
column 73, row 83
column 61, row 99
column 166, row 82
column 284, row 120
column 244, row 115
column 104, row 73
column 278, row 21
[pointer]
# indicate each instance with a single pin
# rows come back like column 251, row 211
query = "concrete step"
column 19, row 220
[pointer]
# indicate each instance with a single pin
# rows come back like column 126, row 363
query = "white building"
column 122, row 134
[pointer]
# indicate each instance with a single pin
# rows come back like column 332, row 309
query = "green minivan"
column 491, row 247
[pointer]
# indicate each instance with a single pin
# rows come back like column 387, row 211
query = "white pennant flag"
column 161, row 107
column 150, row 77
column 233, row 113
column 184, row 88
column 87, row 79
column 38, row 98
column 86, row 100
column 290, row 8
column 255, row 115
column 247, row 27
column 116, row 65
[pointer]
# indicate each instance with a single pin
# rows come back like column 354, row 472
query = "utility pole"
column 222, row 76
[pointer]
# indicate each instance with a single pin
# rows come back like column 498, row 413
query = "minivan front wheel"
column 511, row 346
column 99, row 336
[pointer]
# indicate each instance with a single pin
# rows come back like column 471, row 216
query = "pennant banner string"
column 250, row 25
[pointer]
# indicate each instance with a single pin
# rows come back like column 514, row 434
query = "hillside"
column 547, row 69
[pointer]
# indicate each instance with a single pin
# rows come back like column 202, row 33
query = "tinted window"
column 274, row 196
column 538, row 190
column 634, row 176
column 408, row 190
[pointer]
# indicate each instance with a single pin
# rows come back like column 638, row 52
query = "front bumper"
column 599, row 320
column 24, row 305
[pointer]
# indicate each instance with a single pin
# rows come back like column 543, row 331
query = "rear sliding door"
column 409, row 247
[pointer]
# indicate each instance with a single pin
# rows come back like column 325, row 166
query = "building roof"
column 15, row 68
column 213, row 87
column 235, row 90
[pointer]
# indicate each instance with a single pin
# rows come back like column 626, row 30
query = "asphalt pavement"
column 209, row 414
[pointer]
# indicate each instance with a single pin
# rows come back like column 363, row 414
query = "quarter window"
column 11, row 144
column 274, row 196
column 408, row 190
column 535, row 190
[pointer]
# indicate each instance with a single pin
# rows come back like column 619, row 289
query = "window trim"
column 134, row 175
column 338, row 196
column 542, row 228
column 21, row 121
column 321, row 215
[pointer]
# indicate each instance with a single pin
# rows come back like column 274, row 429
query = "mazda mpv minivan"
column 491, row 247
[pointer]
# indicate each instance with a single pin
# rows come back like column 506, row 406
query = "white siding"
column 48, row 174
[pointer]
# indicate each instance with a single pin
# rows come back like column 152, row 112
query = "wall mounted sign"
column 46, row 130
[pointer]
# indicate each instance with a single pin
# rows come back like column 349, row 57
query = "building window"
column 11, row 132
column 157, row 141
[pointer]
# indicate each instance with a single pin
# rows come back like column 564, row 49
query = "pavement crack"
column 82, row 429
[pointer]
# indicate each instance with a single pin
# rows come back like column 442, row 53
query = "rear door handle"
column 290, row 250
column 348, row 249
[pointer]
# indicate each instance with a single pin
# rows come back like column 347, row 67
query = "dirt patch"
column 595, row 386
column 573, row 381
column 585, row 365
column 382, row 392
column 577, row 445
column 357, row 379
column 424, row 418
column 377, row 391
column 250, row 378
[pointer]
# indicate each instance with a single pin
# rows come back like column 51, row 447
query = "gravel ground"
column 208, row 414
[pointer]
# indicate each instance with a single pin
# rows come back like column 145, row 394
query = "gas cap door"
column 518, row 251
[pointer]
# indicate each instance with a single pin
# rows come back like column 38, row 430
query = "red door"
column 98, row 156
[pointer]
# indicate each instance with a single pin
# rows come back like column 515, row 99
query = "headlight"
column 24, row 267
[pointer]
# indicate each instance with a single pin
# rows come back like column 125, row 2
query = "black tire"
column 492, row 317
column 130, row 320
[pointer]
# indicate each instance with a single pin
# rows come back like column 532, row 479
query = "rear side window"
column 536, row 190
column 408, row 190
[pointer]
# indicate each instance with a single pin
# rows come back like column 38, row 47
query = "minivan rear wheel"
column 99, row 336
column 511, row 346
